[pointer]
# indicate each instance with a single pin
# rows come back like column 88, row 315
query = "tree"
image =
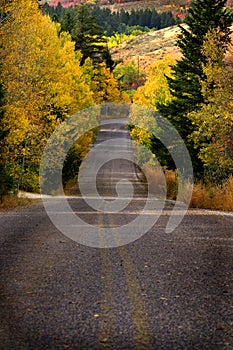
column 103, row 84
column 68, row 20
column 155, row 20
column 128, row 75
column 155, row 90
column 44, row 84
column 187, row 73
column 88, row 36
column 213, row 136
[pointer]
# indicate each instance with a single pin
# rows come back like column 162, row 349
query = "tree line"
column 49, row 70
column 44, row 79
column 116, row 22
column 195, row 93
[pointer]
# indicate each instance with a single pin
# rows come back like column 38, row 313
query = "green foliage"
column 6, row 181
column 136, row 30
column 131, row 94
column 187, row 73
column 127, row 75
column 129, row 33
column 56, row 13
column 87, row 35
column 116, row 22
column 213, row 135
column 75, row 156
column 30, row 180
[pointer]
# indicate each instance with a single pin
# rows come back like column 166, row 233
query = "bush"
column 30, row 181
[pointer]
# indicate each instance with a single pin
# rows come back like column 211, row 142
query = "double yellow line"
column 142, row 337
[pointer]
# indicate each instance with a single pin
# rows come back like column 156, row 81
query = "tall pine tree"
column 88, row 36
column 187, row 74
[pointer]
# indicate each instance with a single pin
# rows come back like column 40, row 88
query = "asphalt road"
column 162, row 291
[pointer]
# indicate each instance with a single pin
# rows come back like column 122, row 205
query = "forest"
column 117, row 22
column 55, row 62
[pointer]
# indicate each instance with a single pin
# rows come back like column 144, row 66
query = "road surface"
column 163, row 291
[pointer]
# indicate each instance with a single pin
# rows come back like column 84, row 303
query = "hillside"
column 159, row 5
column 119, row 4
column 64, row 3
column 147, row 48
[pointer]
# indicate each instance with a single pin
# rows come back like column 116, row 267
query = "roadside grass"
column 210, row 196
column 12, row 201
column 158, row 183
column 205, row 196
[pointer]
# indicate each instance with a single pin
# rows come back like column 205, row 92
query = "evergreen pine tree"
column 124, row 16
column 68, row 20
column 89, row 37
column 155, row 20
column 185, row 83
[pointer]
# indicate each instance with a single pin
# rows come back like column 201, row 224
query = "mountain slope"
column 147, row 48
column 118, row 4
column 129, row 5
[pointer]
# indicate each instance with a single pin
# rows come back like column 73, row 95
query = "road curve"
column 161, row 291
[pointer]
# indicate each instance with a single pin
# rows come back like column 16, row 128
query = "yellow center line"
column 142, row 336
column 106, row 317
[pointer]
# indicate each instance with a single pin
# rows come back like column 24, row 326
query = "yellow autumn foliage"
column 155, row 90
column 42, row 77
column 104, row 85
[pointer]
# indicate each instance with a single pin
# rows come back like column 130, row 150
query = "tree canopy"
column 187, row 73
column 43, row 84
column 213, row 135
column 87, row 35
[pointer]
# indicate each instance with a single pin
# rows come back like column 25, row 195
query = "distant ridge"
column 147, row 48
column 65, row 3
column 118, row 4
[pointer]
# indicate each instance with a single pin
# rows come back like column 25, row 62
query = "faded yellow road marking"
column 141, row 332
column 142, row 336
column 106, row 319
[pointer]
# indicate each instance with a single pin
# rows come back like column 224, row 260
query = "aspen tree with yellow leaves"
column 44, row 84
column 103, row 83
column 154, row 91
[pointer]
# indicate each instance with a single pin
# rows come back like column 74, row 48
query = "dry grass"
column 172, row 184
column 146, row 48
column 155, row 180
column 12, row 201
column 161, row 183
column 203, row 196
column 213, row 196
